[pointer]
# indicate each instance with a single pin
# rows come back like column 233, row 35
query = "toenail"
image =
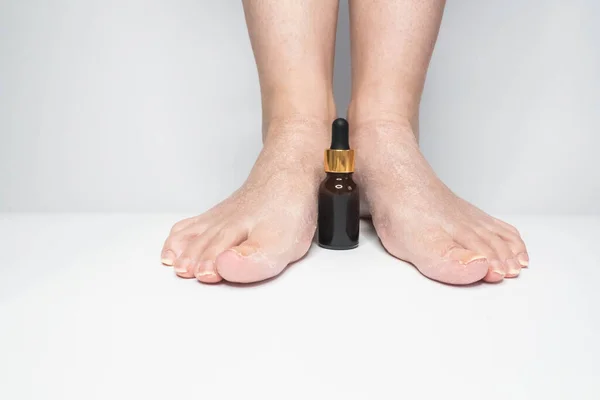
column 205, row 269
column 497, row 268
column 167, row 257
column 513, row 268
column 244, row 250
column 523, row 259
column 183, row 265
column 469, row 260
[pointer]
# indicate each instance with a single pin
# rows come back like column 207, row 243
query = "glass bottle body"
column 339, row 212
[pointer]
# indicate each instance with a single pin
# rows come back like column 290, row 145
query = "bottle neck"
column 341, row 161
column 343, row 175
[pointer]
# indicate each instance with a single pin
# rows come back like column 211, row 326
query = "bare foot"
column 266, row 224
column 420, row 220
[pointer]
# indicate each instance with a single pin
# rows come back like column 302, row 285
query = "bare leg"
column 270, row 221
column 417, row 217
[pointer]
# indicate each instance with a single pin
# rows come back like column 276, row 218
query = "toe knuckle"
column 179, row 240
column 169, row 243
column 181, row 225
column 519, row 244
column 515, row 240
column 446, row 248
column 512, row 230
column 506, row 226
column 221, row 235
column 186, row 257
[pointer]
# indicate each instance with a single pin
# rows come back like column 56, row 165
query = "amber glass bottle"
column 339, row 204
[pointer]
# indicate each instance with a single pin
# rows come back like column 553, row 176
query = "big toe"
column 247, row 263
column 459, row 266
column 263, row 256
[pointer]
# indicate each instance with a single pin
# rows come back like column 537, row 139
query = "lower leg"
column 293, row 44
column 243, row 238
column 392, row 43
column 416, row 216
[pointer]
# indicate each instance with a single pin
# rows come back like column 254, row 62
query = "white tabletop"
column 88, row 312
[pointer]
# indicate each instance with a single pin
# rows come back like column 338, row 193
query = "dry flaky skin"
column 419, row 219
column 265, row 225
column 270, row 221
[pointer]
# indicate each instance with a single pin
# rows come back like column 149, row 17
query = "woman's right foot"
column 270, row 221
column 265, row 225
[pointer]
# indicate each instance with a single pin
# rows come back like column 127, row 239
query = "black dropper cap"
column 339, row 135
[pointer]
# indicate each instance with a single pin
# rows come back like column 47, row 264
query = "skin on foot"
column 420, row 220
column 265, row 225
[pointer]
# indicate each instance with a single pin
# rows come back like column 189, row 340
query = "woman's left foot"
column 420, row 220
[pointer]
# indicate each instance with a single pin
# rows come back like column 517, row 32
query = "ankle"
column 299, row 123
column 298, row 108
column 381, row 125
column 379, row 108
column 296, row 143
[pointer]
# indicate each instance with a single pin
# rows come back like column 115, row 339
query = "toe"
column 263, row 255
column 249, row 262
column 226, row 238
column 456, row 266
column 513, row 269
column 516, row 246
column 206, row 272
column 496, row 271
column 174, row 246
column 182, row 233
column 462, row 267
column 183, row 224
column 512, row 237
column 246, row 263
column 187, row 263
column 523, row 259
column 468, row 238
column 167, row 257
column 506, row 226
column 184, row 267
column 505, row 254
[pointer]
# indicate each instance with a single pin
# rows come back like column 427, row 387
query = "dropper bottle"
column 339, row 203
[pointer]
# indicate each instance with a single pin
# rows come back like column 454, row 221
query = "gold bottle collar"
column 340, row 161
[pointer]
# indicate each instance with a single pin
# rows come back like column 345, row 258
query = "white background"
column 131, row 105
